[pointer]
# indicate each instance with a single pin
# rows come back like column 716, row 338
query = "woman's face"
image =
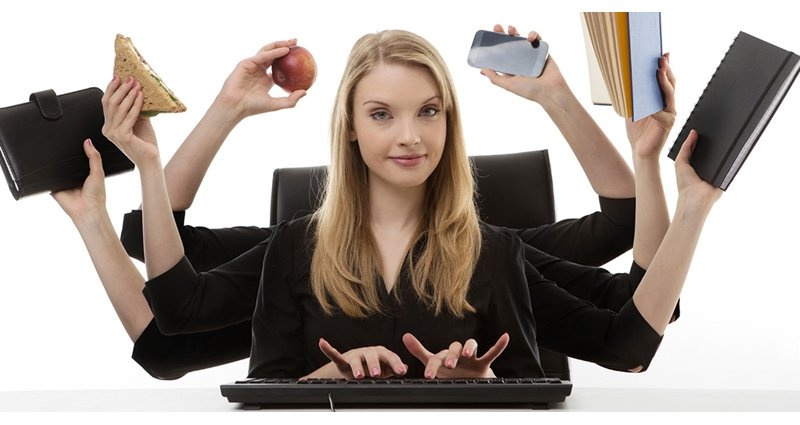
column 400, row 125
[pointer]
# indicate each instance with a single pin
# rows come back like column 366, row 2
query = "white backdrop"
column 58, row 330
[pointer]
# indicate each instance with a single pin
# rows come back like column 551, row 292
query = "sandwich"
column 157, row 96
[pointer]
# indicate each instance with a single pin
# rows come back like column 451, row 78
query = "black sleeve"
column 204, row 248
column 603, row 289
column 171, row 357
column 616, row 340
column 185, row 301
column 277, row 350
column 594, row 239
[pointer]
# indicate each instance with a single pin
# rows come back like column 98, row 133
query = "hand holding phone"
column 507, row 54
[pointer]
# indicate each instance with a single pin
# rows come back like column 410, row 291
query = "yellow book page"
column 597, row 85
column 602, row 40
column 617, row 93
column 624, row 61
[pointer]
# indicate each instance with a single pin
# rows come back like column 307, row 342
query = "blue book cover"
column 644, row 29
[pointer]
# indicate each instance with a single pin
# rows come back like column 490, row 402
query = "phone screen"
column 507, row 54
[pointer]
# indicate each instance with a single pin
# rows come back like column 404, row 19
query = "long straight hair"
column 346, row 262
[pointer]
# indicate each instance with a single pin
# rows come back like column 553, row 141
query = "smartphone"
column 508, row 54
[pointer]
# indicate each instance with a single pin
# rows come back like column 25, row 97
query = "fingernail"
column 451, row 363
column 467, row 353
column 358, row 375
column 375, row 371
column 89, row 141
column 428, row 375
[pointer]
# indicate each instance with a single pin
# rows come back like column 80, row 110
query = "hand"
column 532, row 88
column 690, row 185
column 379, row 361
column 130, row 132
column 247, row 88
column 457, row 361
column 648, row 135
column 90, row 199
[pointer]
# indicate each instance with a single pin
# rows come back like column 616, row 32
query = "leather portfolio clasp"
column 48, row 104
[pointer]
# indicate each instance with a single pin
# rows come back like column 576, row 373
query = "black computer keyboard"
column 396, row 393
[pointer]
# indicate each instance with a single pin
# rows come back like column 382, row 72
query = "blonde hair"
column 346, row 262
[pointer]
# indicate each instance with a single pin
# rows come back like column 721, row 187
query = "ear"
column 353, row 136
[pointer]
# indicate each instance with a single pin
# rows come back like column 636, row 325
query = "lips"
column 408, row 160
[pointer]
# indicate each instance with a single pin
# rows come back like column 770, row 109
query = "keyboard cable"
column 330, row 400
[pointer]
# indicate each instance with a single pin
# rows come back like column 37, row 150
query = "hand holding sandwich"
column 246, row 90
column 125, row 127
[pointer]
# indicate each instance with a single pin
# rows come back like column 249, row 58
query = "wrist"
column 91, row 219
column 225, row 112
column 560, row 97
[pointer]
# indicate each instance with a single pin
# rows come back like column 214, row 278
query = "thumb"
column 688, row 146
column 95, row 161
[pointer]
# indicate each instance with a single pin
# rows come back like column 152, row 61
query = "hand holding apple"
column 297, row 70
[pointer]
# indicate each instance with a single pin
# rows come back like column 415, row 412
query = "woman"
column 136, row 323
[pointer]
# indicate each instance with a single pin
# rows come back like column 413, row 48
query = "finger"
column 434, row 364
column 688, row 147
column 667, row 89
column 533, row 36
column 670, row 75
column 265, row 58
column 112, row 87
column 276, row 44
column 498, row 28
column 470, row 348
column 372, row 359
column 331, row 353
column 416, row 348
column 357, row 367
column 453, row 353
column 496, row 349
column 132, row 113
column 512, row 30
column 288, row 101
column 95, row 161
column 394, row 361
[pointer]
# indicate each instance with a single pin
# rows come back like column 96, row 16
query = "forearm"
column 660, row 288
column 186, row 169
column 652, row 216
column 162, row 242
column 607, row 171
column 121, row 280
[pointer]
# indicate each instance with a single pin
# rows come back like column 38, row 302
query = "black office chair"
column 514, row 190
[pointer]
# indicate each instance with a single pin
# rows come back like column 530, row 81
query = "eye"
column 380, row 115
column 429, row 111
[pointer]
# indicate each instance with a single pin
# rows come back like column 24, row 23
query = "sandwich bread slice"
column 157, row 96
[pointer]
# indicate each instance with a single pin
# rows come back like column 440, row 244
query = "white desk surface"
column 582, row 399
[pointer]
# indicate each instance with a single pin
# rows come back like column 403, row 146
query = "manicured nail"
column 467, row 353
column 375, row 371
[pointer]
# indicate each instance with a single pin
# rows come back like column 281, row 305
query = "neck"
column 397, row 208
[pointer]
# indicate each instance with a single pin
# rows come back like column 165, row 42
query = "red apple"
column 295, row 71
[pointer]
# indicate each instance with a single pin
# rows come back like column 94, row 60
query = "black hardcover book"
column 736, row 106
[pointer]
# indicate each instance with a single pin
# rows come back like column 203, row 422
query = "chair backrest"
column 514, row 190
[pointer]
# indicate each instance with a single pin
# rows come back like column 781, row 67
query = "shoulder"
column 498, row 238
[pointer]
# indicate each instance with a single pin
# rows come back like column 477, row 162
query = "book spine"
column 676, row 147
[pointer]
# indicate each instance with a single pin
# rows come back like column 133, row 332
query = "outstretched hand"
column 91, row 197
column 456, row 361
column 648, row 135
column 246, row 90
column 374, row 362
column 531, row 88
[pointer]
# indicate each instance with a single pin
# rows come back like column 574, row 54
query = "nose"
column 409, row 135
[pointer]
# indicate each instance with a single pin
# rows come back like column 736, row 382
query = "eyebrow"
column 386, row 104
